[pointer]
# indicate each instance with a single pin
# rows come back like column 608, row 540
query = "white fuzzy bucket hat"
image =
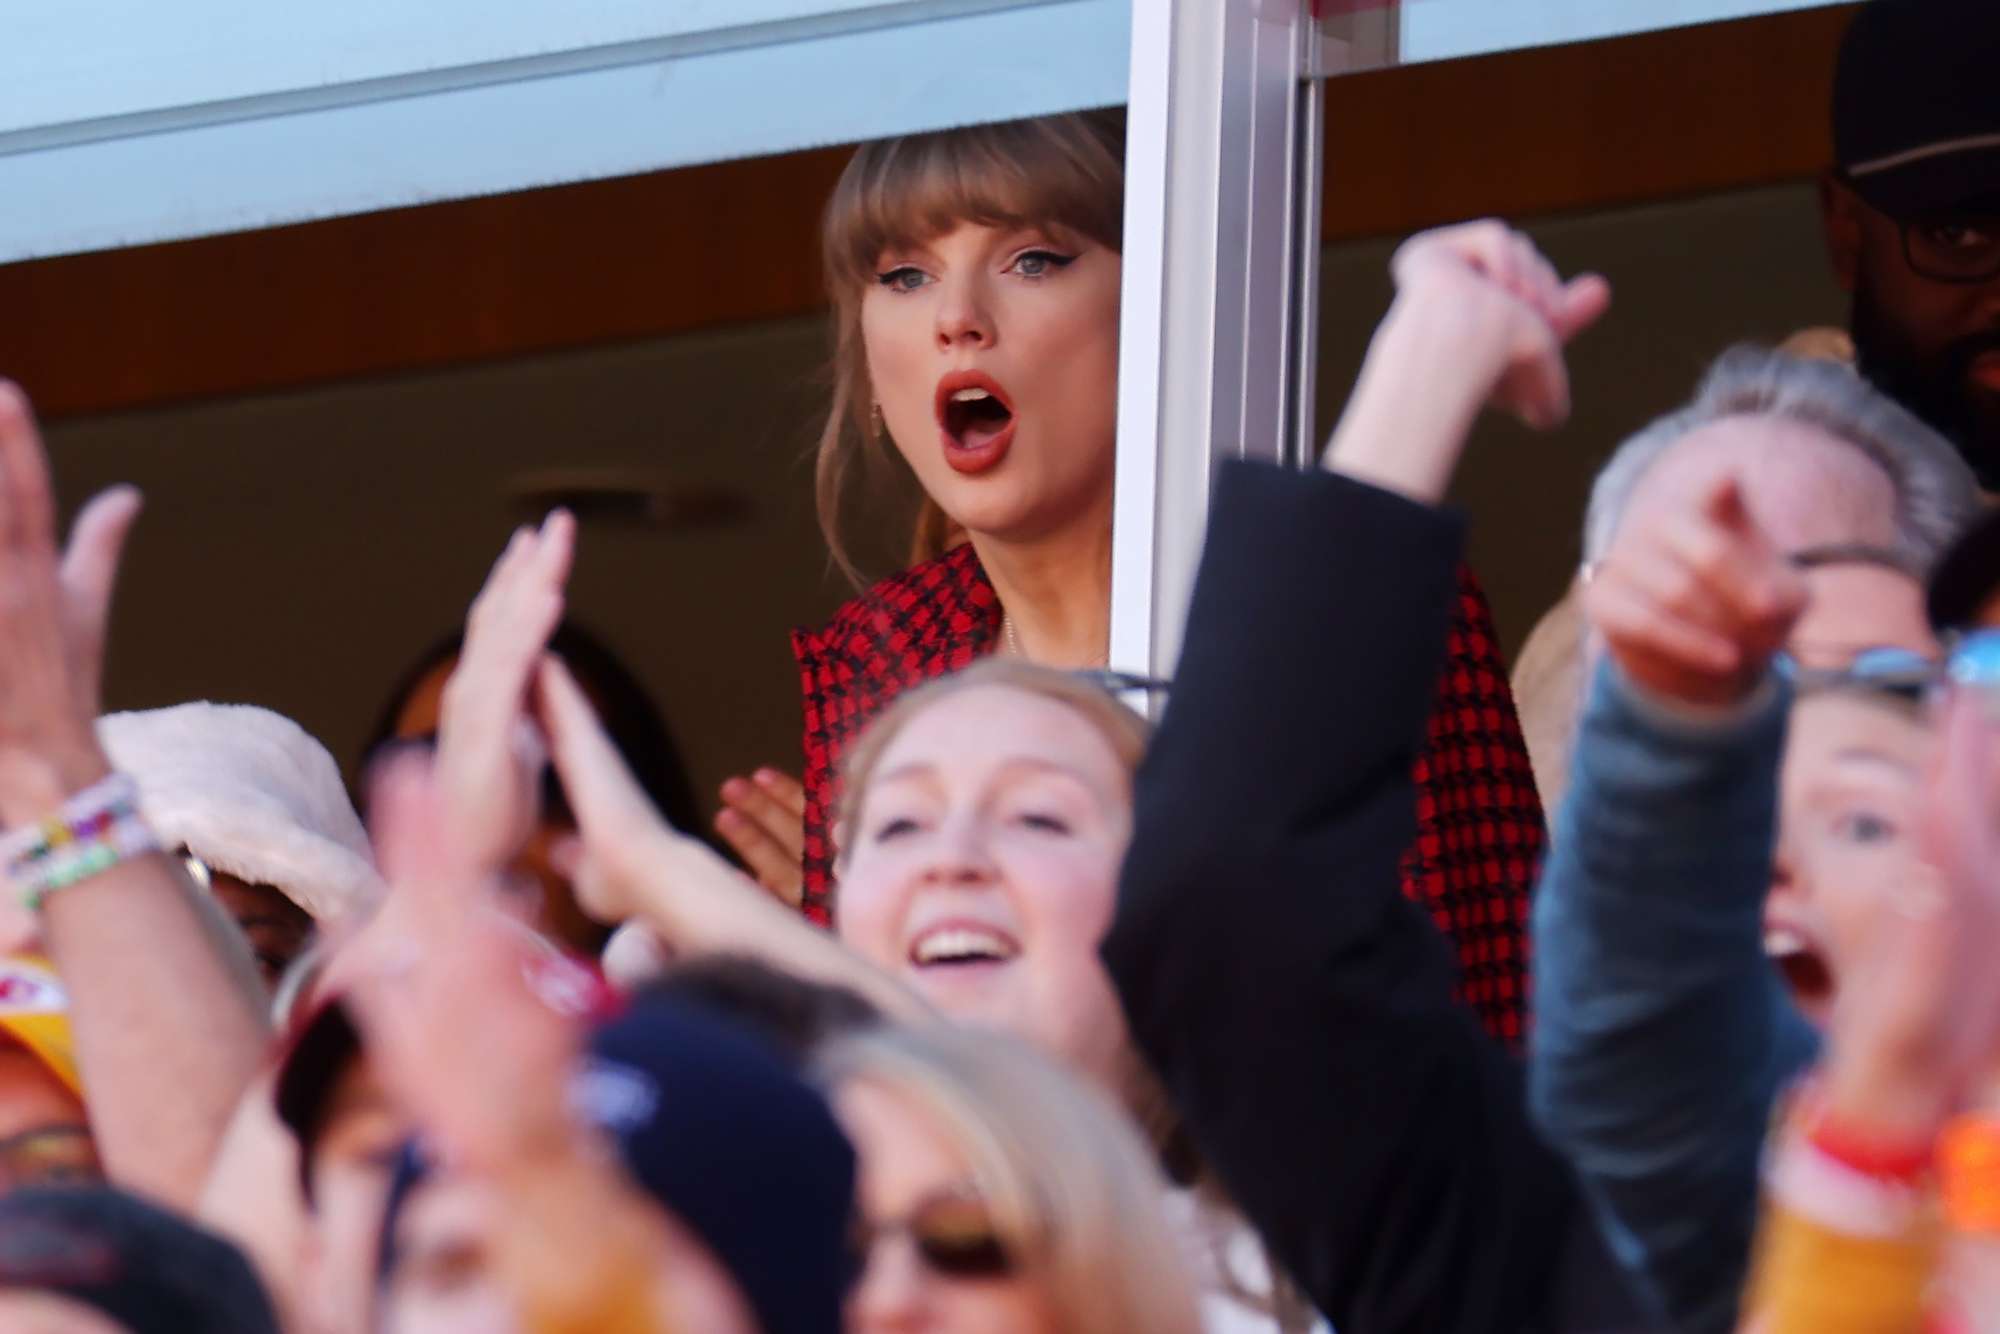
column 251, row 794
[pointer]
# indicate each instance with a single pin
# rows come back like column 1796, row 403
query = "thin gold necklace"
column 1013, row 641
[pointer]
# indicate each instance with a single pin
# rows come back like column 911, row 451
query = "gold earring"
column 875, row 422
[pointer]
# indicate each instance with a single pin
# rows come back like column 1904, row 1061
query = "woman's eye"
column 1041, row 263
column 1865, row 827
column 903, row 278
column 1045, row 824
column 896, row 828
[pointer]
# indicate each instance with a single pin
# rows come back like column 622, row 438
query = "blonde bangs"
column 1060, row 172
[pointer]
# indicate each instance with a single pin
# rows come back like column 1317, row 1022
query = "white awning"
column 126, row 121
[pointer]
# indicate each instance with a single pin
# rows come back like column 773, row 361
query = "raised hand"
column 1693, row 602
column 52, row 624
column 440, row 984
column 1480, row 318
column 616, row 823
column 764, row 820
column 629, row 865
column 490, row 755
column 1500, row 287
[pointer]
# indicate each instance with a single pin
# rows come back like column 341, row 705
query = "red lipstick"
column 975, row 421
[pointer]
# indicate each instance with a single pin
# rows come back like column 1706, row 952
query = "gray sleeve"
column 1662, row 1034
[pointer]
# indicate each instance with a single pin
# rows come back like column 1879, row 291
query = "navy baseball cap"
column 1916, row 106
column 718, row 1126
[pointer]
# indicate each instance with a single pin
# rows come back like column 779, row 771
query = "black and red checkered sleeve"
column 1480, row 831
column 933, row 618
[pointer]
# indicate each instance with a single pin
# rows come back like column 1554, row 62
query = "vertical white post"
column 1209, row 369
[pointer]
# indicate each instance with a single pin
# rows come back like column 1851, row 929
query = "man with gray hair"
column 1789, row 507
column 1932, row 489
column 1826, row 459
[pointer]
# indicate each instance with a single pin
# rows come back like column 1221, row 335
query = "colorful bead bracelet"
column 94, row 831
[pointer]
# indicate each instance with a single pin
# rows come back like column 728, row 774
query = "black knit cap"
column 1916, row 106
column 150, row 1271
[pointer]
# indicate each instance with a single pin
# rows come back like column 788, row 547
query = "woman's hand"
column 764, row 820
column 1694, row 601
column 630, row 865
column 441, row 986
column 53, row 614
column 616, row 824
column 1916, row 1025
column 1479, row 317
column 476, row 1031
column 489, row 754
column 1515, row 313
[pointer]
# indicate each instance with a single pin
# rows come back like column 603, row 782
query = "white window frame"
column 1224, row 173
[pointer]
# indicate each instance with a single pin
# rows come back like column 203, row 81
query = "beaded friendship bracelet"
column 94, row 831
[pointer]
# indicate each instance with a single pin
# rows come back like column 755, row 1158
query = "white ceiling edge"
column 86, row 60
column 1451, row 29
column 328, row 152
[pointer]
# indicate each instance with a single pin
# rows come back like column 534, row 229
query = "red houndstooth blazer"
column 1479, row 820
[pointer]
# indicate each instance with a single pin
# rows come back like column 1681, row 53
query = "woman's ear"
column 1840, row 216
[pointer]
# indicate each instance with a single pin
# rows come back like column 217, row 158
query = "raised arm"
column 633, row 866
column 165, row 1003
column 508, row 698
column 1298, row 1007
column 1662, row 1032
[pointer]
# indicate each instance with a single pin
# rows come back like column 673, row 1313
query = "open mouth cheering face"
column 981, row 866
column 993, row 354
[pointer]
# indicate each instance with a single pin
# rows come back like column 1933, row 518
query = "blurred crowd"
column 1337, row 983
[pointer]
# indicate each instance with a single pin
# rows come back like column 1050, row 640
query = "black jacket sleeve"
column 1296, row 1006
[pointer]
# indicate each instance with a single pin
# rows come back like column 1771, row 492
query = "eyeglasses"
column 1901, row 673
column 953, row 1233
column 1971, row 661
column 1953, row 249
column 1118, row 682
column 1947, row 247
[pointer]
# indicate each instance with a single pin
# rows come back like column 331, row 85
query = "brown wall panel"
column 1529, row 133
column 417, row 288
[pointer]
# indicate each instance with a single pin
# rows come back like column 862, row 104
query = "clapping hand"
column 764, row 820
column 490, row 755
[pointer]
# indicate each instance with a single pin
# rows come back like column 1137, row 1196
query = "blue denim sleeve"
column 1662, row 1034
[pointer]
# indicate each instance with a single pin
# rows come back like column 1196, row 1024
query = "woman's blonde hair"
column 1063, row 172
column 1071, row 1190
